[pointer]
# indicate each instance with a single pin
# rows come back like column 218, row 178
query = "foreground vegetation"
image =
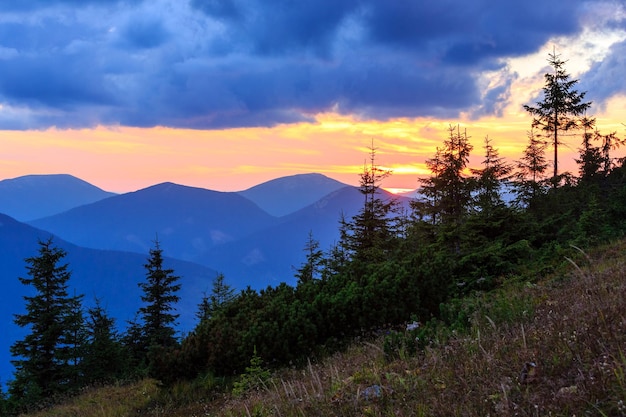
column 571, row 326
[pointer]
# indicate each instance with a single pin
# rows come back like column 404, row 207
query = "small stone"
column 567, row 391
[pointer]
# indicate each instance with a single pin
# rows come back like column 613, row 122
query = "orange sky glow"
column 122, row 159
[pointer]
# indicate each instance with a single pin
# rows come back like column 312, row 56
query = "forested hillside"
column 460, row 243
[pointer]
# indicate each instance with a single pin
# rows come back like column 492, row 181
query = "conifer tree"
column 221, row 294
column 135, row 346
column 561, row 108
column 490, row 178
column 73, row 350
column 368, row 236
column 529, row 178
column 314, row 259
column 46, row 358
column 429, row 206
column 609, row 142
column 590, row 161
column 159, row 294
column 448, row 188
column 104, row 357
column 338, row 255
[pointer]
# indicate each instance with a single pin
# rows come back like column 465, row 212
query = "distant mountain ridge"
column 230, row 232
column 187, row 220
column 33, row 196
column 285, row 195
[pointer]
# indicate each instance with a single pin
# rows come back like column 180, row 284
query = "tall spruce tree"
column 159, row 296
column 370, row 231
column 47, row 358
column 561, row 108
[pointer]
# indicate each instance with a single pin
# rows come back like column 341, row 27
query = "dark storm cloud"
column 468, row 32
column 255, row 96
column 280, row 26
column 50, row 83
column 227, row 63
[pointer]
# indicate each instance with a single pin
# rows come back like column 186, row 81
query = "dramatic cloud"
column 605, row 78
column 229, row 63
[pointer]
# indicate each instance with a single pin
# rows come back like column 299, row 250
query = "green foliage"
column 314, row 259
column 254, row 378
column 529, row 180
column 221, row 294
column 370, row 235
column 448, row 190
column 500, row 306
column 104, row 357
column 47, row 358
column 401, row 345
column 160, row 296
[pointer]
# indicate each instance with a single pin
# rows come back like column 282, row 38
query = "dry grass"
column 110, row 401
column 571, row 327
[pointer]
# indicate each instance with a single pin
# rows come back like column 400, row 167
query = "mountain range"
column 255, row 237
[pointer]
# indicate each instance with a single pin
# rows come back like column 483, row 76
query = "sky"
column 226, row 94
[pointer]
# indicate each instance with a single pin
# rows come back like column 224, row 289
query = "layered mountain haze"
column 226, row 231
column 186, row 220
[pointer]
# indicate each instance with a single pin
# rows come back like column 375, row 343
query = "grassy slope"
column 572, row 326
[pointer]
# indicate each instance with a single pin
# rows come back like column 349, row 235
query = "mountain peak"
column 33, row 196
column 301, row 190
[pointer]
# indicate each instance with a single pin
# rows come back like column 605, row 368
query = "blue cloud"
column 468, row 32
column 144, row 33
column 275, row 27
column 30, row 5
column 227, row 63
column 54, row 82
column 606, row 78
column 221, row 9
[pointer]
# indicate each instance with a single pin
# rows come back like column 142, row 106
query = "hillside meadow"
column 555, row 347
